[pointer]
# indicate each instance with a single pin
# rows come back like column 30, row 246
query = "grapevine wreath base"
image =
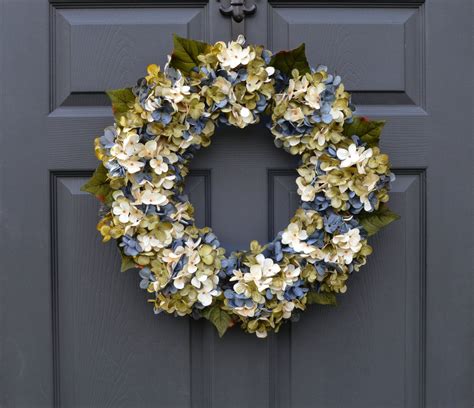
column 161, row 122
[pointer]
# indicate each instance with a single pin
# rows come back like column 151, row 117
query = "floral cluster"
column 169, row 115
column 348, row 176
column 310, row 112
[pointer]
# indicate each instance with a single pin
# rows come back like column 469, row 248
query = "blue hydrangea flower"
column 147, row 277
column 130, row 246
column 237, row 300
column 316, row 238
column 164, row 113
column 108, row 139
column 211, row 239
column 297, row 291
column 115, row 169
column 332, row 222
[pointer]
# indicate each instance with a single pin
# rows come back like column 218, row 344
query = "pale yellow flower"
column 293, row 235
column 354, row 155
column 233, row 55
column 294, row 114
column 312, row 96
column 158, row 165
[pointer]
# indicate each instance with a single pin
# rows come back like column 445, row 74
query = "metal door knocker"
column 238, row 10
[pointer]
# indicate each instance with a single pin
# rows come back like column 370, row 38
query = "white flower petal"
column 205, row 299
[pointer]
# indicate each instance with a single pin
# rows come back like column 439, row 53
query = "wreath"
column 343, row 182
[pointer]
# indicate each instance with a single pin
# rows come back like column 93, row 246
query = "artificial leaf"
column 186, row 52
column 322, row 298
column 98, row 185
column 219, row 318
column 368, row 130
column 127, row 263
column 287, row 61
column 374, row 221
column 121, row 99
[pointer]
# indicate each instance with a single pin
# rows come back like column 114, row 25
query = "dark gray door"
column 75, row 332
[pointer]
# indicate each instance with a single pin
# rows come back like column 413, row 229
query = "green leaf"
column 287, row 61
column 98, row 185
column 374, row 221
column 218, row 317
column 185, row 53
column 368, row 130
column 121, row 100
column 127, row 263
column 322, row 298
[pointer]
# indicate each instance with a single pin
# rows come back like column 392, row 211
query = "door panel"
column 378, row 51
column 378, row 346
column 97, row 49
column 80, row 334
column 106, row 343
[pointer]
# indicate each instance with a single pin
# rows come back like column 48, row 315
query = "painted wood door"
column 78, row 333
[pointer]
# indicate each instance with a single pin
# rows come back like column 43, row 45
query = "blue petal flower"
column 130, row 246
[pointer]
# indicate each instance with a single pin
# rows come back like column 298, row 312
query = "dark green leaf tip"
column 287, row 61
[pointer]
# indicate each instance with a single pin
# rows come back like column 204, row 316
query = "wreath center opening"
column 233, row 194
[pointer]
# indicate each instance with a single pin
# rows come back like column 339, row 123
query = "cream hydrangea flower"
column 261, row 334
column 159, row 165
column 255, row 81
column 241, row 116
column 124, row 210
column 127, row 152
column 185, row 275
column 200, row 283
column 306, row 191
column 366, row 202
column 205, row 297
column 207, row 289
column 150, row 195
column 294, row 114
column 246, row 115
column 132, row 165
column 297, row 87
column 288, row 307
column 149, row 149
column 166, row 182
column 246, row 311
column 354, row 155
column 171, row 256
column 313, row 97
column 288, row 276
column 293, row 235
column 262, row 272
column 128, row 147
column 233, row 54
column 241, row 286
column 347, row 245
column 337, row 114
column 176, row 93
column 225, row 87
column 151, row 104
column 148, row 242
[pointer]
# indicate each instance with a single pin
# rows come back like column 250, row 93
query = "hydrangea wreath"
column 161, row 122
